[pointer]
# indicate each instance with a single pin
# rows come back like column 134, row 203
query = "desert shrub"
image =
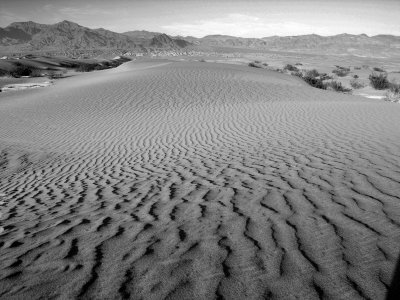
column 291, row 68
column 393, row 94
column 392, row 97
column 4, row 73
column 315, row 82
column 298, row 64
column 257, row 61
column 202, row 60
column 298, row 74
column 356, row 84
column 254, row 65
column 379, row 81
column 69, row 64
column 312, row 73
column 341, row 72
column 89, row 67
column 324, row 76
column 355, row 76
column 265, row 64
column 357, row 68
column 21, row 71
column 338, row 87
column 394, row 87
column 376, row 69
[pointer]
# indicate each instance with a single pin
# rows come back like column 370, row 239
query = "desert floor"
column 190, row 180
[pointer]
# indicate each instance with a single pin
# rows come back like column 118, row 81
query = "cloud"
column 7, row 17
column 240, row 25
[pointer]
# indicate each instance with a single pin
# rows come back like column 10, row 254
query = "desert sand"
column 189, row 180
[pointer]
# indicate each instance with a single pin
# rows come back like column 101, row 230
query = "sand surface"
column 185, row 180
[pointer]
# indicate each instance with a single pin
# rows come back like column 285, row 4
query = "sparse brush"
column 356, row 84
column 379, row 81
column 291, row 68
column 393, row 96
column 394, row 87
column 341, row 72
column 324, row 76
column 312, row 73
column 315, row 82
column 376, row 69
column 357, row 68
column 254, row 65
column 298, row 74
column 338, row 87
column 21, row 71
column 5, row 73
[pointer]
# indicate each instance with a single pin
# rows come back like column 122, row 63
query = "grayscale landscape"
column 148, row 165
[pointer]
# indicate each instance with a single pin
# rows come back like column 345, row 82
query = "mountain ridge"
column 67, row 35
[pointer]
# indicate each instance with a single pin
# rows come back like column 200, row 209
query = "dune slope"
column 182, row 180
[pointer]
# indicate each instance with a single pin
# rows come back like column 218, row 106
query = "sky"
column 251, row 18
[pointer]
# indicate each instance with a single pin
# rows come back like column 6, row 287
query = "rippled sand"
column 186, row 180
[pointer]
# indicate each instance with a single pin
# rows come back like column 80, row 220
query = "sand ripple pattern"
column 178, row 180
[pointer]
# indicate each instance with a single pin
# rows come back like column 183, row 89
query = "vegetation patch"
column 356, row 84
column 341, row 71
column 338, row 87
column 379, row 81
column 291, row 68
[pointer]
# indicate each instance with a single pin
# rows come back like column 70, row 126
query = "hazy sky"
column 198, row 18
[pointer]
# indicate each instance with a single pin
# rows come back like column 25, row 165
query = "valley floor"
column 189, row 180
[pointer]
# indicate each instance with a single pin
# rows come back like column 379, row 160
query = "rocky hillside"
column 68, row 36
column 25, row 36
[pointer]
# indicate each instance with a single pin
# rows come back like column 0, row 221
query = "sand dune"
column 184, row 180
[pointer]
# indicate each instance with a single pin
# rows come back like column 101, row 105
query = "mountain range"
column 66, row 35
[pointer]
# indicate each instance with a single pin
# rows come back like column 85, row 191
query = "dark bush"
column 355, row 84
column 254, row 65
column 298, row 64
column 315, row 82
column 291, row 68
column 88, row 67
column 4, row 73
column 312, row 73
column 378, row 69
column 21, row 71
column 394, row 87
column 341, row 72
column 355, row 76
column 379, row 81
column 324, row 76
column 298, row 74
column 338, row 87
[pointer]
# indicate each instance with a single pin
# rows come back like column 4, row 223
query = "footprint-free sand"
column 190, row 180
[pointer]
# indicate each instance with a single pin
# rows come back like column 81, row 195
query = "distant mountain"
column 164, row 41
column 66, row 35
column 337, row 44
column 141, row 34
